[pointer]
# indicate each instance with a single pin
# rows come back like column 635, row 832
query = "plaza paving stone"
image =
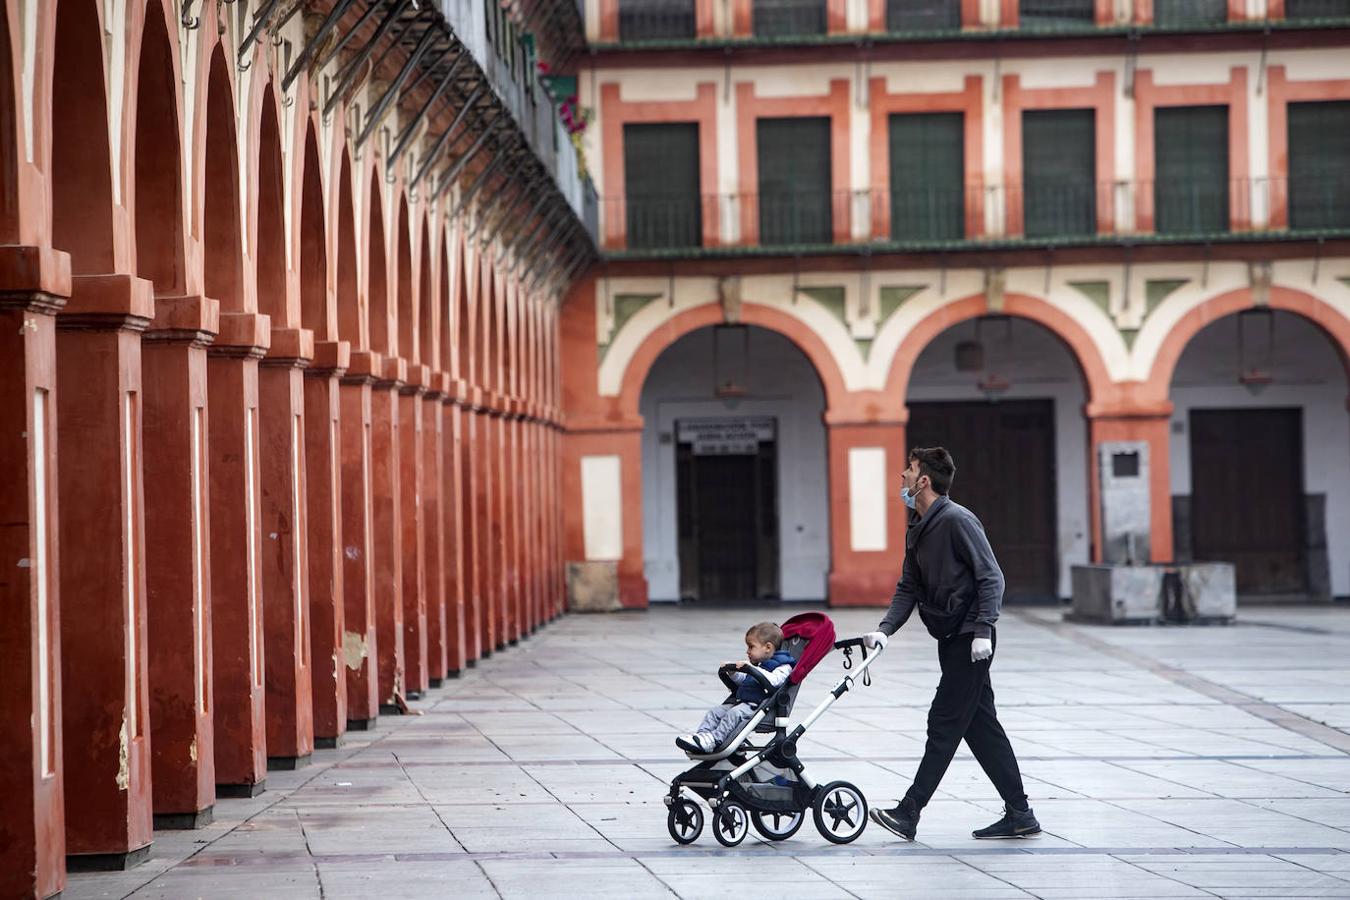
column 1163, row 762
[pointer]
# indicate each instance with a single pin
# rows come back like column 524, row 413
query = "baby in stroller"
column 763, row 648
column 751, row 775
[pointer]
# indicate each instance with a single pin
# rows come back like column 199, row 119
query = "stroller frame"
column 839, row 808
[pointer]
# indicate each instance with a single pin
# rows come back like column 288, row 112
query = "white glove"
column 875, row 639
column 981, row 648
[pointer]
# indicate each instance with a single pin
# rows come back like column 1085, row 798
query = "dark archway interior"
column 352, row 324
column 159, row 204
column 407, row 309
column 425, row 301
column 377, row 284
column 81, row 171
column 314, row 311
column 271, row 259
column 223, row 261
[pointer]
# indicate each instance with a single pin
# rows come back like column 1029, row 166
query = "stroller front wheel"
column 840, row 811
column 730, row 823
column 685, row 821
column 777, row 826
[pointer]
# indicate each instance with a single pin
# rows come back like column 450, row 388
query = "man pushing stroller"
column 951, row 575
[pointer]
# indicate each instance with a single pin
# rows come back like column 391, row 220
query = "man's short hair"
column 936, row 463
column 765, row 633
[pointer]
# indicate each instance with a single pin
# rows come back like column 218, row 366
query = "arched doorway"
column 1258, row 455
column 1005, row 395
column 734, row 469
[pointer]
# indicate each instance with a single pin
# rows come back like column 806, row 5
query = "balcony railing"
column 675, row 22
column 1038, row 213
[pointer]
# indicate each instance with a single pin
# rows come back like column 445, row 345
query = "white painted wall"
column 784, row 385
column 1039, row 366
column 1308, row 374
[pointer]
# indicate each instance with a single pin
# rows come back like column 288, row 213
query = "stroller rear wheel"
column 840, row 812
column 685, row 821
column 777, row 826
column 730, row 823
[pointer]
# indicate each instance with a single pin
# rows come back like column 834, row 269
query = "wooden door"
column 1005, row 474
column 1247, row 496
column 727, row 523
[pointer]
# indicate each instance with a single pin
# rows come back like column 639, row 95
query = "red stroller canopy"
column 818, row 631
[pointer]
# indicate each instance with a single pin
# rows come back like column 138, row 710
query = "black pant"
column 963, row 707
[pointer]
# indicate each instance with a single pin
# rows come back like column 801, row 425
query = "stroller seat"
column 807, row 639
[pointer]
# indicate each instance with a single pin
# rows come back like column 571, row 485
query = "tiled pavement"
column 1163, row 762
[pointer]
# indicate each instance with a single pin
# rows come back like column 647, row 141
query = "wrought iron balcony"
column 1039, row 213
column 659, row 24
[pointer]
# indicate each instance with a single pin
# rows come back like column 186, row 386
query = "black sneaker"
column 902, row 819
column 1014, row 824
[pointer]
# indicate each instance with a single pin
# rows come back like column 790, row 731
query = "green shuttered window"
column 656, row 20
column 794, row 180
column 781, row 18
column 1059, row 172
column 927, row 176
column 1190, row 152
column 1319, row 165
column 1052, row 15
column 1186, row 13
column 661, row 185
column 1316, row 9
column 923, row 15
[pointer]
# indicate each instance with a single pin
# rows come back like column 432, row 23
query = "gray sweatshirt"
column 950, row 574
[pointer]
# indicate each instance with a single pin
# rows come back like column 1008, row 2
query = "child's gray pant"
column 725, row 720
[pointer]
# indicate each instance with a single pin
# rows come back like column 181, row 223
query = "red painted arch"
column 1333, row 323
column 801, row 334
column 1084, row 350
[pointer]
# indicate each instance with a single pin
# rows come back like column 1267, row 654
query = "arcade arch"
column 1257, row 448
column 735, row 474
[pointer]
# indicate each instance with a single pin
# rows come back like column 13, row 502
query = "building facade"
column 1080, row 243
column 280, row 388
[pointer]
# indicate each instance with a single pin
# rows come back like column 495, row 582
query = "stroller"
column 764, row 783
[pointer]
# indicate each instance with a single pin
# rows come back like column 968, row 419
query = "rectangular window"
column 199, row 513
column 1319, row 177
column 252, row 537
column 46, row 694
column 1187, row 13
column 794, row 181
column 656, row 20
column 1190, row 152
column 1059, row 172
column 1317, row 9
column 661, row 185
column 927, row 176
column 1054, row 15
column 783, row 18
column 131, row 466
column 923, row 15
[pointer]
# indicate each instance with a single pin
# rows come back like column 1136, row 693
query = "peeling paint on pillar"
column 354, row 650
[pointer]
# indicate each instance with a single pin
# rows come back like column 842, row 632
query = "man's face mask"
column 907, row 495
